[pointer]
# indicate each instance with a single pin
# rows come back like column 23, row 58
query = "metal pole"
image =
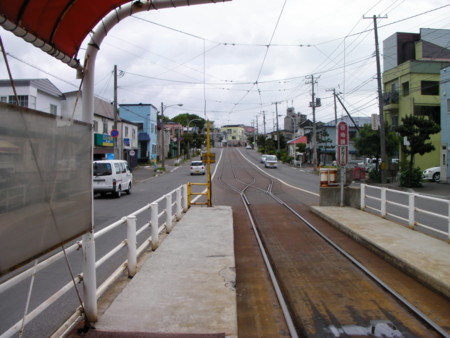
column 116, row 152
column 178, row 204
column 131, row 245
column 185, row 198
column 208, row 162
column 278, row 130
column 89, row 277
column 169, row 212
column 163, row 151
column 380, row 106
column 154, row 226
column 363, row 197
column 314, row 125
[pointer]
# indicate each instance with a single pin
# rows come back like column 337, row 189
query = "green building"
column 411, row 81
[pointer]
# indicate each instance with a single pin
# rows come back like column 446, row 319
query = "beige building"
column 234, row 135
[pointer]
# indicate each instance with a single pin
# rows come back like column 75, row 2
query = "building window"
column 126, row 131
column 53, row 109
column 405, row 88
column 133, row 134
column 23, row 100
column 105, row 126
column 95, row 126
column 394, row 120
column 429, row 87
column 4, row 99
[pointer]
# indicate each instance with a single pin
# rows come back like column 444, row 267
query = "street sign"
column 342, row 156
column 211, row 156
column 342, row 134
column 342, row 143
column 114, row 133
column 132, row 153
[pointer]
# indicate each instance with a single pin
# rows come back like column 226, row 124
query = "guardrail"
column 408, row 211
column 88, row 277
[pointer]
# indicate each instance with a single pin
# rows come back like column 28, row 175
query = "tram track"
column 370, row 311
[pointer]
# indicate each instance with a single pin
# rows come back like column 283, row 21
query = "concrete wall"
column 331, row 196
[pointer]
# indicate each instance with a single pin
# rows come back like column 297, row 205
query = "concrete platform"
column 420, row 255
column 187, row 287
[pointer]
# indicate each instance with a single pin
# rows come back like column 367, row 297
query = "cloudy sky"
column 231, row 62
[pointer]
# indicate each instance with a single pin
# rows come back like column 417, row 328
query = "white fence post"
column 448, row 222
column 185, row 197
column 169, row 212
column 131, row 241
column 178, row 204
column 89, row 277
column 383, row 202
column 154, row 222
column 363, row 197
column 411, row 207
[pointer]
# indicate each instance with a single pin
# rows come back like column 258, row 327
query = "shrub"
column 411, row 178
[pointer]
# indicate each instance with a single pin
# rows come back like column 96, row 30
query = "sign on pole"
column 342, row 143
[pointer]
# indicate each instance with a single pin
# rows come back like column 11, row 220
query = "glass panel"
column 45, row 183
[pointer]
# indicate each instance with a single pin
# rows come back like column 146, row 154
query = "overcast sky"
column 230, row 62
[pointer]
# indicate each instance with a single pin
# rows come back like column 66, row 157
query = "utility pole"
column 335, row 106
column 314, row 104
column 264, row 124
column 116, row 152
column 163, row 155
column 278, row 130
column 380, row 104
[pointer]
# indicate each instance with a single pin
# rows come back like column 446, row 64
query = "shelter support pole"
column 89, row 278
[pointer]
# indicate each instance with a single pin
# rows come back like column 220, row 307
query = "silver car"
column 271, row 161
column 432, row 174
column 197, row 168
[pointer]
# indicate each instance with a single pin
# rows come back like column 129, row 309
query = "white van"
column 112, row 176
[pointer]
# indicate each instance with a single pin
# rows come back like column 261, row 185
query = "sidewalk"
column 186, row 288
column 142, row 173
column 423, row 256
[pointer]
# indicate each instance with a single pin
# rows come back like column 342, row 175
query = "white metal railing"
column 91, row 292
column 413, row 212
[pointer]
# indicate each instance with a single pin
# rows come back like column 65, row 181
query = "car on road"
column 432, row 174
column 112, row 176
column 197, row 168
column 271, row 161
column 263, row 158
column 248, row 146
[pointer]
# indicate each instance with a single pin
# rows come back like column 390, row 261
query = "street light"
column 163, row 155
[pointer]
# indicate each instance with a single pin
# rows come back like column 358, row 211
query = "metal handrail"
column 180, row 204
column 410, row 206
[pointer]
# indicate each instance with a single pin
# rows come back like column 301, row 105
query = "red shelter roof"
column 62, row 24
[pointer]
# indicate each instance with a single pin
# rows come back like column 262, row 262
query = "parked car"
column 271, row 161
column 432, row 174
column 112, row 176
column 263, row 158
column 197, row 168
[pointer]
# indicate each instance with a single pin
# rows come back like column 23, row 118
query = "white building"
column 38, row 94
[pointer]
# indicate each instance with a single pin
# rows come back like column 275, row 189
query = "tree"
column 323, row 139
column 417, row 131
column 186, row 118
column 367, row 143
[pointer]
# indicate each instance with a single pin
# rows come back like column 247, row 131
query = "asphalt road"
column 147, row 188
